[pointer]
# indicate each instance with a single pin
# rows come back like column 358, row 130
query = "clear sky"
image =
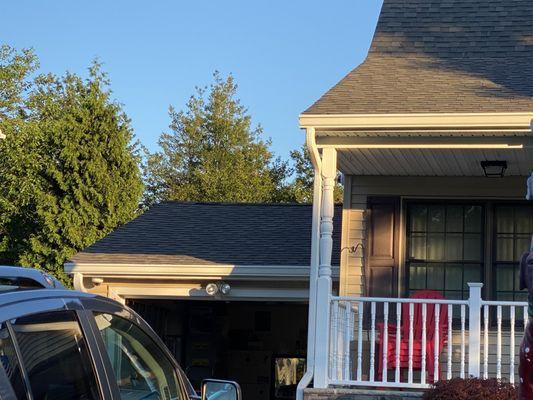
column 283, row 54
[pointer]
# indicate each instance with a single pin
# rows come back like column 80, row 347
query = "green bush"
column 472, row 389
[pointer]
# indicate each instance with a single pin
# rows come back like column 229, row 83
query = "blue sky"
column 283, row 54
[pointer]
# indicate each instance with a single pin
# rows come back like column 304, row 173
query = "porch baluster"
column 360, row 342
column 511, row 345
column 499, row 343
column 398, row 341
column 436, row 343
column 346, row 343
column 423, row 354
column 372, row 339
column 486, row 341
column 411, row 318
column 463, row 314
column 450, row 341
column 334, row 338
column 385, row 340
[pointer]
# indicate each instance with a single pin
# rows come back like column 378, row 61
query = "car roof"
column 39, row 277
column 19, row 284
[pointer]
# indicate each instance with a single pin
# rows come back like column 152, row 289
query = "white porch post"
column 329, row 172
column 474, row 329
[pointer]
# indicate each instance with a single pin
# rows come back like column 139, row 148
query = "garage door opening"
column 261, row 345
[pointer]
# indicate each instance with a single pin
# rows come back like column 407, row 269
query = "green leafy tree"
column 212, row 153
column 301, row 188
column 68, row 170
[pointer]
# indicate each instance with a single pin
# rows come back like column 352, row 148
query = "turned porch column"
column 329, row 173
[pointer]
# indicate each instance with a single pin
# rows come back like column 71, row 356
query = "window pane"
column 523, row 220
column 454, row 219
column 454, row 277
column 55, row 356
column 435, row 247
column 472, row 247
column 141, row 368
column 418, row 247
column 417, row 276
column 454, row 247
column 504, row 248
column 522, row 244
column 504, row 278
column 435, row 276
column 504, row 220
column 418, row 218
column 436, row 219
column 9, row 361
column 473, row 222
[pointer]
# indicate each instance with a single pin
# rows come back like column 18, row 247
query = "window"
column 512, row 236
column 55, row 356
column 445, row 247
column 9, row 362
column 141, row 368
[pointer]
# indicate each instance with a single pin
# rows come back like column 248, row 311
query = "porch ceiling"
column 434, row 153
column 431, row 162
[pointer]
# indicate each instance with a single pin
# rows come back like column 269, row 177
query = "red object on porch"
column 417, row 336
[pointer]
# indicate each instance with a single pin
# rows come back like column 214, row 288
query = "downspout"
column 313, row 272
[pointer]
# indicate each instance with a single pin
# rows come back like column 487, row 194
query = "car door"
column 138, row 364
column 47, row 351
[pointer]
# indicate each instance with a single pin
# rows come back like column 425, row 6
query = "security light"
column 494, row 169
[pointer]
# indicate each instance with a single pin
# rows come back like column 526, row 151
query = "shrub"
column 472, row 389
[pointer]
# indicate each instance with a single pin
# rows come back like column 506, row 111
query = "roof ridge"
column 223, row 203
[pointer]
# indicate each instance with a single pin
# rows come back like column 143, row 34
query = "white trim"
column 196, row 292
column 424, row 146
column 505, row 121
column 200, row 272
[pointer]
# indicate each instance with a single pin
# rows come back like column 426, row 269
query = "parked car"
column 62, row 344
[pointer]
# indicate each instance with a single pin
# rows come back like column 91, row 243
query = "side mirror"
column 214, row 389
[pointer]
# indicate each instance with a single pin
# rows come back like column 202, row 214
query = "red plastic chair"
column 417, row 335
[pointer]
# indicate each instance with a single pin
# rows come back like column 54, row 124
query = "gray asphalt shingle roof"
column 213, row 233
column 442, row 56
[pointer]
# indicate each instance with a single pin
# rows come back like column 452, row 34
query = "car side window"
column 55, row 356
column 10, row 363
column 142, row 370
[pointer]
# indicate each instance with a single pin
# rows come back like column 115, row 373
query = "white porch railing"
column 454, row 338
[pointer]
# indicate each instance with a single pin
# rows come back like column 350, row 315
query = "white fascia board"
column 152, row 271
column 502, row 121
column 198, row 293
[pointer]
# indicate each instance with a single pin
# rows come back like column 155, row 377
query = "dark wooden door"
column 383, row 251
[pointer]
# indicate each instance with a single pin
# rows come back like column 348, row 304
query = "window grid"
column 446, row 233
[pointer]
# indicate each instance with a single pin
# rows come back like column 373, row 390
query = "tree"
column 212, row 153
column 301, row 188
column 68, row 171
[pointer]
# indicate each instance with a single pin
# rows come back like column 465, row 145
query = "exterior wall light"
column 494, row 169
column 223, row 288
column 97, row 281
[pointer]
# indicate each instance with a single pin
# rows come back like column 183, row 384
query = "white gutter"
column 313, row 273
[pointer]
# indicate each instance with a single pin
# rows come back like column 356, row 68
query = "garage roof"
column 434, row 56
column 177, row 233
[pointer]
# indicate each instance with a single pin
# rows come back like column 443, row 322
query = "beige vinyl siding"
column 359, row 188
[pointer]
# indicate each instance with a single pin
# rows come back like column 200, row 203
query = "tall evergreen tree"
column 68, row 171
column 212, row 153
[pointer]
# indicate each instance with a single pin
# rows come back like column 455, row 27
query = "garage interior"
column 260, row 345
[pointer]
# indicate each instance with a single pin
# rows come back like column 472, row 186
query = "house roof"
column 176, row 233
column 440, row 56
